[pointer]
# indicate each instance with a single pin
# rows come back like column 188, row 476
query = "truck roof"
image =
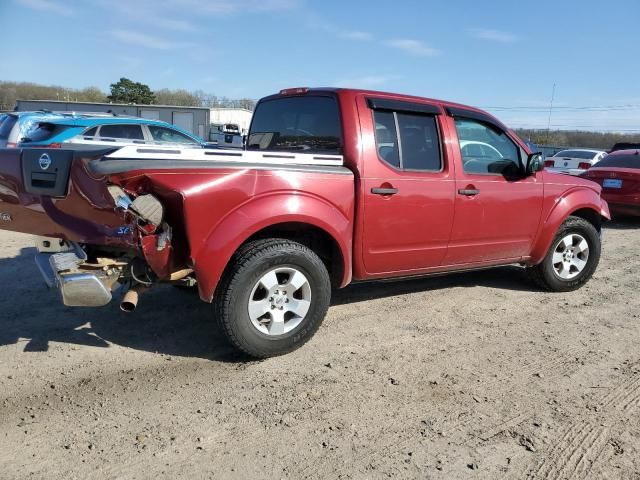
column 300, row 91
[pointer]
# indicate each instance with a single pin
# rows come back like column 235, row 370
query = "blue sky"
column 501, row 55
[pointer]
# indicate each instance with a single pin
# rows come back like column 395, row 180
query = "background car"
column 13, row 125
column 619, row 175
column 625, row 146
column 226, row 135
column 88, row 131
column 574, row 161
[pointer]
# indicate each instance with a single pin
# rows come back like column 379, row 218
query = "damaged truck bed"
column 139, row 216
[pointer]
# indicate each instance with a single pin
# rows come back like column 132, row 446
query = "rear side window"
column 408, row 141
column 620, row 161
column 308, row 124
column 163, row 134
column 130, row 132
column 6, row 124
column 91, row 132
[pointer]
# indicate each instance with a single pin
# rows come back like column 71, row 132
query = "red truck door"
column 497, row 210
column 407, row 187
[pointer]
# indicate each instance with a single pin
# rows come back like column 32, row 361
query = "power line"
column 596, row 108
column 553, row 95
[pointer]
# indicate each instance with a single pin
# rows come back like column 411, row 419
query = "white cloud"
column 356, row 35
column 494, row 35
column 414, row 47
column 47, row 6
column 146, row 13
column 226, row 7
column 172, row 24
column 147, row 41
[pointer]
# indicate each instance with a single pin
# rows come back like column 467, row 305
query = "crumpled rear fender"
column 572, row 201
column 210, row 261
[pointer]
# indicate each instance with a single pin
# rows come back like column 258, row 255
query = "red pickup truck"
column 334, row 186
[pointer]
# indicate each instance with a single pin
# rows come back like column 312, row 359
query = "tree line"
column 122, row 91
column 577, row 138
column 129, row 91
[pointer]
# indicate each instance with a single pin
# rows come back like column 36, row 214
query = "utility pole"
column 553, row 94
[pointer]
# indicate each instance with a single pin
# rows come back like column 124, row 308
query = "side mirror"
column 535, row 163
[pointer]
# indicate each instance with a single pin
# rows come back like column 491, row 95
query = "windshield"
column 582, row 155
column 309, row 124
column 620, row 161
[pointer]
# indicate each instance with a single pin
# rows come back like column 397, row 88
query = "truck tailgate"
column 50, row 192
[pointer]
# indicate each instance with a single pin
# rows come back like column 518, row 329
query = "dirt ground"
column 467, row 376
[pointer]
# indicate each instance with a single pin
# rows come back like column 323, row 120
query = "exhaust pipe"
column 130, row 299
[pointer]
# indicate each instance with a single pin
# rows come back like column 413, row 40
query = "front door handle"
column 384, row 191
column 469, row 192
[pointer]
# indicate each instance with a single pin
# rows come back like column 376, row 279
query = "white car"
column 574, row 161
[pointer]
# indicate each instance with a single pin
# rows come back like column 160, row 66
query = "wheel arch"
column 584, row 203
column 315, row 223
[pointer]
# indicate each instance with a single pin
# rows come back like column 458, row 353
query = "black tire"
column 249, row 264
column 544, row 274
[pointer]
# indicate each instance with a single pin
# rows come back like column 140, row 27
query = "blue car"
column 92, row 130
column 15, row 125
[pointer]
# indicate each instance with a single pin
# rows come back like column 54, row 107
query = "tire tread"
column 230, row 283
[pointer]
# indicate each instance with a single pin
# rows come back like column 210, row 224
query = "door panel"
column 500, row 222
column 409, row 230
column 499, row 218
column 406, row 214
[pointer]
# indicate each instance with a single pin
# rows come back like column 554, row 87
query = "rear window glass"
column 576, row 154
column 133, row 132
column 41, row 132
column 306, row 124
column 91, row 132
column 620, row 161
column 419, row 145
column 6, row 124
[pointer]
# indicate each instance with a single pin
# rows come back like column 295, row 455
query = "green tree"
column 91, row 94
column 128, row 91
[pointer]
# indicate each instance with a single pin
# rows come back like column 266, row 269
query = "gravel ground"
column 467, row 376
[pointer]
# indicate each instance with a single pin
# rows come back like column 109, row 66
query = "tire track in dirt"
column 459, row 433
column 574, row 454
column 581, row 445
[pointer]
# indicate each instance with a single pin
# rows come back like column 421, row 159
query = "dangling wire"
column 133, row 275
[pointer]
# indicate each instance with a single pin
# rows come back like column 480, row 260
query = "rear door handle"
column 469, row 192
column 384, row 191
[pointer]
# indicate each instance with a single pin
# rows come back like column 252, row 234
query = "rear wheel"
column 572, row 258
column 273, row 297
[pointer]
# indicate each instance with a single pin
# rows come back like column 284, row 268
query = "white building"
column 237, row 116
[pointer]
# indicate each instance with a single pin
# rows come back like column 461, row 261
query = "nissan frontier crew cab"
column 333, row 186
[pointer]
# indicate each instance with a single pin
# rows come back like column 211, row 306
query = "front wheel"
column 273, row 297
column 572, row 258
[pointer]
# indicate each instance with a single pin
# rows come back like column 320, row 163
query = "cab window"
column 485, row 149
column 308, row 124
column 408, row 141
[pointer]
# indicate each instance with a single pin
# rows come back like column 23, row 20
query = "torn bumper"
column 77, row 288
